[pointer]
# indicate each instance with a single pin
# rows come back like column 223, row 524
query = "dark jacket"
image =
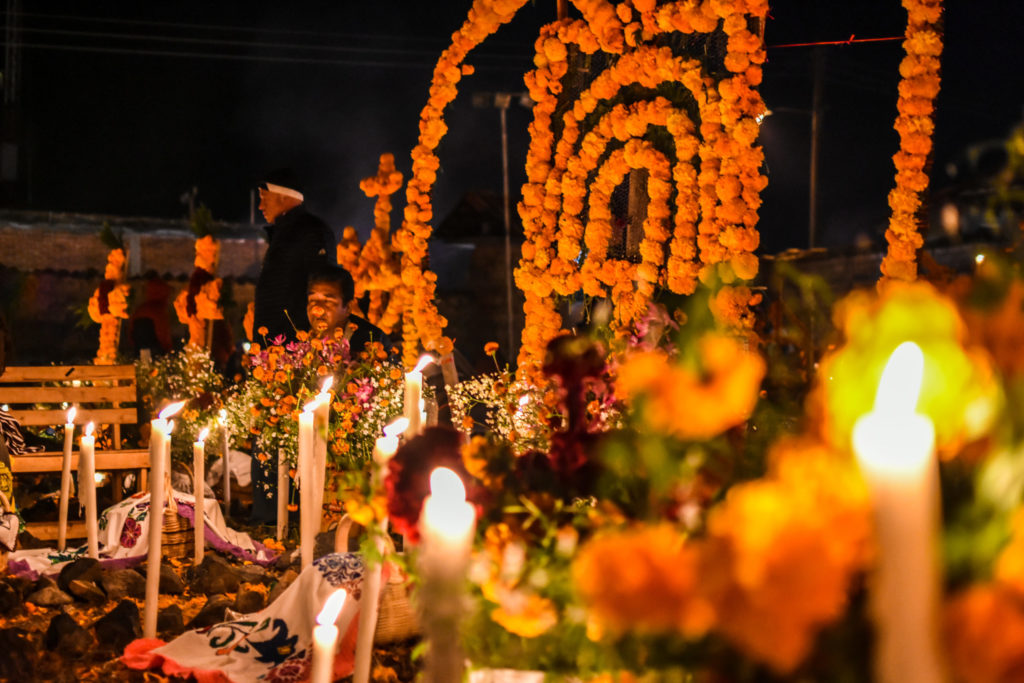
column 364, row 333
column 297, row 242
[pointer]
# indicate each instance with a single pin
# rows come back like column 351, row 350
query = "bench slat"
column 105, row 416
column 47, row 531
column 48, row 373
column 105, row 460
column 22, row 395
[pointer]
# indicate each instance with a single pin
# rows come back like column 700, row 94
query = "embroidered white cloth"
column 124, row 538
column 274, row 644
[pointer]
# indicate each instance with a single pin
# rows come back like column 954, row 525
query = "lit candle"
column 159, row 446
column 320, row 429
column 65, row 481
column 413, row 393
column 384, row 449
column 306, row 536
column 446, row 526
column 895, row 448
column 87, row 487
column 222, row 420
column 199, row 490
column 325, row 638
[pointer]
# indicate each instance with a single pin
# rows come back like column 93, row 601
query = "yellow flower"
column 526, row 616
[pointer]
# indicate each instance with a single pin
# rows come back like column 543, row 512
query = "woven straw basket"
column 177, row 535
column 396, row 618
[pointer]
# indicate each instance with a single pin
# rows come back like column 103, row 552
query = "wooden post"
column 638, row 201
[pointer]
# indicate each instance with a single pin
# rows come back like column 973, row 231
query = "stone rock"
column 214, row 576
column 10, row 599
column 18, row 662
column 253, row 573
column 119, row 626
column 287, row 560
column 248, row 601
column 48, row 595
column 170, row 582
column 65, row 636
column 211, row 613
column 170, row 621
column 88, row 591
column 123, row 583
column 84, row 568
column 282, row 584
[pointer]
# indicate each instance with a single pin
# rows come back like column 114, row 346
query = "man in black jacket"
column 298, row 242
column 330, row 294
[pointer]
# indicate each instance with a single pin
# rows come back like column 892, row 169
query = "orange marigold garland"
column 917, row 91
column 198, row 304
column 108, row 306
column 422, row 323
column 715, row 209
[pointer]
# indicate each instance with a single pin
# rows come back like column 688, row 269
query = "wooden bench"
column 102, row 394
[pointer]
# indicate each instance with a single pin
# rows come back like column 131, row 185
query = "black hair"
column 335, row 275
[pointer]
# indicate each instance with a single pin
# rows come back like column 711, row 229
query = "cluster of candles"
column 895, row 447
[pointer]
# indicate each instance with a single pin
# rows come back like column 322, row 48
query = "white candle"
column 325, row 638
column 65, row 481
column 413, row 393
column 446, row 526
column 384, row 449
column 282, row 494
column 321, row 425
column 222, row 420
column 87, row 479
column 199, row 491
column 159, row 446
column 306, row 536
column 451, row 375
column 895, row 448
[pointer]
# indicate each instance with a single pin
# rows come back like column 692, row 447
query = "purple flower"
column 130, row 533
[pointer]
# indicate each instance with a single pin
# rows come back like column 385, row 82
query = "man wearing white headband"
column 297, row 243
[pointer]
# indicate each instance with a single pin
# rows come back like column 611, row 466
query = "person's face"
column 325, row 308
column 272, row 204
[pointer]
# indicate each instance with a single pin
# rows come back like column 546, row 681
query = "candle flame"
column 222, row 416
column 523, row 400
column 313, row 404
column 170, row 427
column 447, row 485
column 71, row 414
column 332, row 608
column 900, row 386
column 326, row 385
column 203, row 433
column 425, row 360
column 88, row 429
column 397, row 427
column 171, row 410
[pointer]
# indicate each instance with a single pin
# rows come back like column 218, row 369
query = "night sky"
column 112, row 123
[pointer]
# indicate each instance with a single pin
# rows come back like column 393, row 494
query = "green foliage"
column 202, row 223
column 111, row 239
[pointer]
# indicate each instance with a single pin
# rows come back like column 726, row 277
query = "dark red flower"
column 408, row 480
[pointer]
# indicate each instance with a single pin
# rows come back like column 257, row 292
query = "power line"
column 255, row 44
column 250, row 58
column 245, row 29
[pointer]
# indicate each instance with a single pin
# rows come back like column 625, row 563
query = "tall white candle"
column 199, row 491
column 306, row 536
column 222, row 420
column 413, row 393
column 384, row 449
column 65, row 481
column 321, row 426
column 325, row 638
column 446, row 525
column 895, row 449
column 87, row 469
column 159, row 446
column 282, row 494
